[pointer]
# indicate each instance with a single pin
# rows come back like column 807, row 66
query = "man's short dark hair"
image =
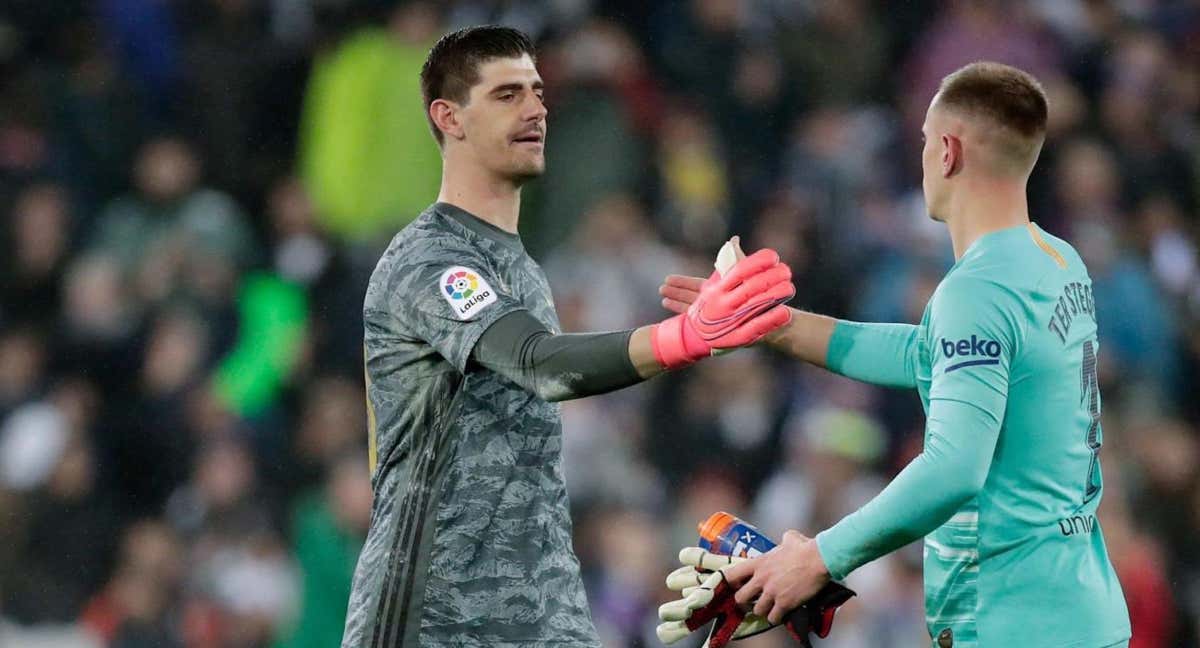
column 1004, row 95
column 452, row 67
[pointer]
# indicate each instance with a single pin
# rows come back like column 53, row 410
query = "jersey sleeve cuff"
column 830, row 546
column 839, row 347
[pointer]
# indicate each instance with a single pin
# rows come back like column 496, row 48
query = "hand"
column 780, row 579
column 729, row 311
column 679, row 291
column 708, row 595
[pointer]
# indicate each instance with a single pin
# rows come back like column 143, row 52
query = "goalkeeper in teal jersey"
column 1006, row 490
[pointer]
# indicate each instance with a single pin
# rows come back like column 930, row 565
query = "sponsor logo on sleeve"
column 970, row 352
column 466, row 291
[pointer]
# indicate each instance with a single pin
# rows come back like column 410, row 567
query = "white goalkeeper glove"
column 705, row 596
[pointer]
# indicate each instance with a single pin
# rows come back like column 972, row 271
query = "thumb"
column 737, row 247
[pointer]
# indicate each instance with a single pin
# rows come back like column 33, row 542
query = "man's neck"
column 481, row 193
column 983, row 207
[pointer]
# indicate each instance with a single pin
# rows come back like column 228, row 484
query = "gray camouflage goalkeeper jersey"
column 470, row 537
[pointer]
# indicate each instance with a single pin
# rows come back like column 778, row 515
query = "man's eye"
column 506, row 97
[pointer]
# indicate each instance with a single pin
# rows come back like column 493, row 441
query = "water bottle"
column 728, row 535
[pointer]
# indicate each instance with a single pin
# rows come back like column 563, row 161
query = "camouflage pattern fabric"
column 470, row 537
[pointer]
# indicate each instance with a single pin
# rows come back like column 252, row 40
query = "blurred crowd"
column 194, row 192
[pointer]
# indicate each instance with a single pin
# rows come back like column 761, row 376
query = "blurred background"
column 194, row 192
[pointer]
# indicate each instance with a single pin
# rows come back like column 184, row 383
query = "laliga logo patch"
column 465, row 291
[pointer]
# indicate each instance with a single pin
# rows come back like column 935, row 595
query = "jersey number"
column 1090, row 397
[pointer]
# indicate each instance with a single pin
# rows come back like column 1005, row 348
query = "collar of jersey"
column 979, row 243
column 478, row 225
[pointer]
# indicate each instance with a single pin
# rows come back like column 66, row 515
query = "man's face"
column 504, row 120
column 933, row 182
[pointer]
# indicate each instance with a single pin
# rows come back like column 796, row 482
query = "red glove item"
column 732, row 311
column 813, row 616
column 816, row 614
column 725, row 610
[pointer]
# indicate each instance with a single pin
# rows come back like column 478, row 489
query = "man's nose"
column 534, row 109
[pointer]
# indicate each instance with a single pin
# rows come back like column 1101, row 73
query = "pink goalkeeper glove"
column 731, row 311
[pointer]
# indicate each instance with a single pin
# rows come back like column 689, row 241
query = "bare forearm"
column 880, row 354
column 641, row 353
column 805, row 338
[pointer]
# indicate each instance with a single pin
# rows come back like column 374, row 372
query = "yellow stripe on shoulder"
column 1041, row 242
column 372, row 443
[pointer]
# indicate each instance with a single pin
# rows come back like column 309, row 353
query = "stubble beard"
column 523, row 171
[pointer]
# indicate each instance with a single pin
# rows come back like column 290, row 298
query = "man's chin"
column 526, row 172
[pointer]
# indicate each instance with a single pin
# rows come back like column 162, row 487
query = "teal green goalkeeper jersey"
column 1006, row 489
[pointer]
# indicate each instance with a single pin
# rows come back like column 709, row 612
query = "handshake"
column 741, row 302
column 709, row 588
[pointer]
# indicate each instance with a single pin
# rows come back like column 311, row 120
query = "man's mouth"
column 529, row 138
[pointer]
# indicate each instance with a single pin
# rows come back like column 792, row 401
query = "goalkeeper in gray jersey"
column 470, row 539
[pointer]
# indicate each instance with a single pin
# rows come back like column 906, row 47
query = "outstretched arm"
column 967, row 403
column 733, row 310
column 562, row 367
column 881, row 354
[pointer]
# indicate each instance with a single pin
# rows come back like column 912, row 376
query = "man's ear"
column 445, row 116
column 952, row 155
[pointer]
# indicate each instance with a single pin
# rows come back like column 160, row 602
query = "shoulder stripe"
column 1041, row 242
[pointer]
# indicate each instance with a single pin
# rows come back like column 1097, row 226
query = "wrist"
column 675, row 345
column 778, row 339
column 822, row 560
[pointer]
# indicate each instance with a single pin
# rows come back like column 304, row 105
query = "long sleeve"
column 974, row 337
column 951, row 471
column 556, row 367
column 880, row 354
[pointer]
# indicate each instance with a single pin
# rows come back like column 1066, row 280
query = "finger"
column 703, row 595
column 726, row 258
column 766, row 285
column 678, row 610
column 675, row 306
column 671, row 632
column 686, row 282
column 699, row 558
column 737, row 248
column 748, row 592
column 740, row 572
column 687, row 591
column 778, row 293
column 766, row 323
column 778, row 611
column 678, row 293
column 755, row 329
column 685, row 576
column 748, row 267
column 795, row 536
column 764, row 605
